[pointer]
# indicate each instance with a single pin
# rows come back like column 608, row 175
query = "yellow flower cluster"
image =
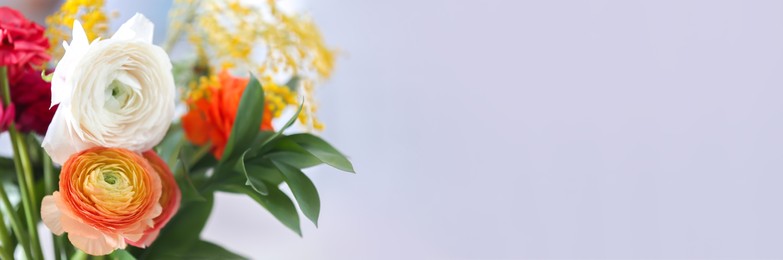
column 89, row 12
column 260, row 38
column 277, row 97
column 200, row 89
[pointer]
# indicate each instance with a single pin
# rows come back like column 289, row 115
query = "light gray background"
column 541, row 129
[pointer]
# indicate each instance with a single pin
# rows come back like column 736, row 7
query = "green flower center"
column 110, row 177
column 117, row 95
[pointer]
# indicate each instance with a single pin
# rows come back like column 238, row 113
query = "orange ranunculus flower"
column 212, row 116
column 107, row 196
column 169, row 199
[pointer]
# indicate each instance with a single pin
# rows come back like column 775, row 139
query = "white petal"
column 137, row 28
column 59, row 142
column 79, row 37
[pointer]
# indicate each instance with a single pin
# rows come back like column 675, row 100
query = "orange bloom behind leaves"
column 213, row 112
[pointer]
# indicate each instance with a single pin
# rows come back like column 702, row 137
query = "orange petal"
column 195, row 127
column 169, row 200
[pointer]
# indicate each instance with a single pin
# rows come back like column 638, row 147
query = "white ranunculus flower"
column 117, row 92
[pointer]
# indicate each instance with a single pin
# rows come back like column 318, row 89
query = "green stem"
column 7, row 251
column 59, row 247
column 203, row 150
column 27, row 195
column 15, row 222
column 28, row 192
column 24, row 172
column 79, row 255
column 67, row 247
column 49, row 180
column 4, row 82
column 28, row 170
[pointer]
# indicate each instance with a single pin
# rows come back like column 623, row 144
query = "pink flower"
column 22, row 43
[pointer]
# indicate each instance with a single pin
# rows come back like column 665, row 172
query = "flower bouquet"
column 119, row 152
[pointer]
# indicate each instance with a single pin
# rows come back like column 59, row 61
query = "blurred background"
column 535, row 129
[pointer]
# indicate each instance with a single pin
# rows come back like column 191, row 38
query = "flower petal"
column 50, row 214
column 59, row 141
column 137, row 28
column 92, row 246
column 61, row 88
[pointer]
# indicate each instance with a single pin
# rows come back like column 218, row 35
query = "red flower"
column 22, row 43
column 6, row 116
column 32, row 96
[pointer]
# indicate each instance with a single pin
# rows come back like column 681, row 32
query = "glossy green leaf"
column 250, row 180
column 303, row 189
column 276, row 203
column 207, row 250
column 323, row 151
column 251, row 112
column 184, row 229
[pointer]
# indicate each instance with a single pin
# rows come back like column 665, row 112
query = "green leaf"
column 251, row 112
column 258, row 171
column 171, row 144
column 120, row 254
column 182, row 176
column 262, row 137
column 323, row 151
column 298, row 160
column 276, row 203
column 251, row 181
column 184, row 229
column 264, row 172
column 207, row 250
column 293, row 118
column 289, row 152
column 304, row 190
column 286, row 126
